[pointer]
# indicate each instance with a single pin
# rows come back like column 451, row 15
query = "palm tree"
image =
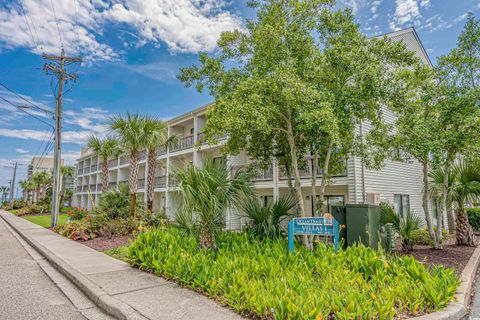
column 4, row 191
column 207, row 192
column 41, row 181
column 130, row 130
column 104, row 149
column 156, row 137
column 66, row 172
column 463, row 187
column 27, row 187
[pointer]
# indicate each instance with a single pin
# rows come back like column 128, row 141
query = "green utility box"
column 359, row 223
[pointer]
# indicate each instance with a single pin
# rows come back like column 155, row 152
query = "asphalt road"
column 26, row 292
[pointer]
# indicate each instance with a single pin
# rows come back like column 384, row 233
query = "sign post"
column 314, row 225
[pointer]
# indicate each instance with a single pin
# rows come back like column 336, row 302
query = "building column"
column 276, row 177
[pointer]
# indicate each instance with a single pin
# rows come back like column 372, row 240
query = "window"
column 191, row 131
column 329, row 201
column 401, row 203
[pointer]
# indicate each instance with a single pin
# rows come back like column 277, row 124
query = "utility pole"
column 12, row 189
column 57, row 67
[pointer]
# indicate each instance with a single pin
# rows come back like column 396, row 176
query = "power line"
column 26, row 100
column 24, row 111
column 24, row 13
column 28, row 25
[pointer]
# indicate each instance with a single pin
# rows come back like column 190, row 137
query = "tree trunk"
column 104, row 175
column 465, row 235
column 207, row 239
column 314, row 166
column 152, row 159
column 133, row 181
column 450, row 219
column 440, row 213
column 296, row 175
column 325, row 173
column 425, row 202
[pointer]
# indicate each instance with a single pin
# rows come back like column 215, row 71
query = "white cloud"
column 407, row 13
column 74, row 136
column 425, row 3
column 355, row 5
column 183, row 25
column 375, row 5
column 461, row 18
column 20, row 150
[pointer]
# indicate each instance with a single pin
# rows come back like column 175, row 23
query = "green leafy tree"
column 27, row 187
column 207, row 192
column 458, row 104
column 104, row 149
column 130, row 130
column 156, row 137
column 302, row 75
column 417, row 118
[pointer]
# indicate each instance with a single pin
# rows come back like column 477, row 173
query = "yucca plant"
column 404, row 226
column 265, row 221
column 207, row 192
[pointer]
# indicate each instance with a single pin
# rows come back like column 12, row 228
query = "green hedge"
column 474, row 217
column 255, row 278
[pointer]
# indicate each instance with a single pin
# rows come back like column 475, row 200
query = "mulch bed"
column 106, row 243
column 452, row 256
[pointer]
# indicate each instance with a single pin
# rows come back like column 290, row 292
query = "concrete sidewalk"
column 113, row 285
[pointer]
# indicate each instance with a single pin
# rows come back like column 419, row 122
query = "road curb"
column 102, row 299
column 457, row 309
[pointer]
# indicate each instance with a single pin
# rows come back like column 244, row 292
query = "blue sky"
column 133, row 49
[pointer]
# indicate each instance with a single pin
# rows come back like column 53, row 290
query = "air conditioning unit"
column 373, row 198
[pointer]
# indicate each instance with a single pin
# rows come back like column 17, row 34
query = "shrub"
column 116, row 203
column 422, row 237
column 84, row 229
column 117, row 227
column 19, row 204
column 151, row 220
column 256, row 277
column 474, row 217
column 77, row 213
column 265, row 221
column 403, row 226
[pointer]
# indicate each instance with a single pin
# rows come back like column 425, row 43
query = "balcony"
column 173, row 181
column 85, row 188
column 86, row 170
column 141, row 183
column 263, row 175
column 142, row 155
column 161, row 151
column 124, row 160
column 160, row 182
column 112, row 185
column 99, row 187
column 93, row 187
column 183, row 143
column 93, row 168
column 201, row 136
column 123, row 183
column 113, row 163
column 79, row 171
column 306, row 172
column 79, row 189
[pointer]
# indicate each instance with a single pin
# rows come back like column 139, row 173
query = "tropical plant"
column 156, row 134
column 265, row 220
column 130, row 131
column 405, row 226
column 463, row 187
column 42, row 180
column 207, row 192
column 261, row 279
column 115, row 203
column 27, row 187
column 4, row 191
column 474, row 217
column 104, row 148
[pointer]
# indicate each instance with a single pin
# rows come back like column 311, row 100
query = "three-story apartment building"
column 398, row 182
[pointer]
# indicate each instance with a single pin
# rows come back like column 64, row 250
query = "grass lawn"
column 119, row 253
column 44, row 221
